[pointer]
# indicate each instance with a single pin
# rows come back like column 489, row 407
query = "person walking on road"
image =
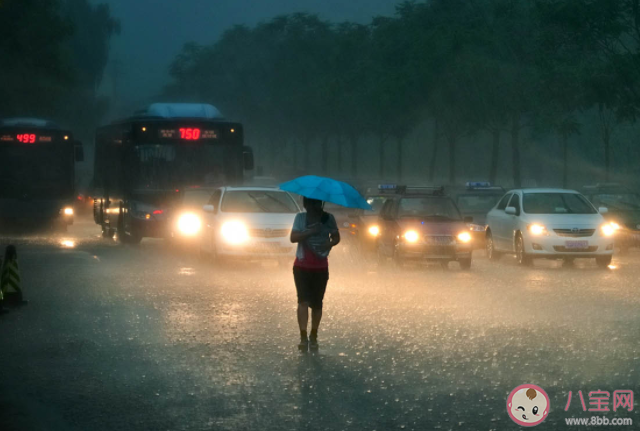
column 10, row 282
column 316, row 233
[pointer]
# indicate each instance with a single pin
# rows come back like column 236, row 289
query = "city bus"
column 143, row 164
column 37, row 173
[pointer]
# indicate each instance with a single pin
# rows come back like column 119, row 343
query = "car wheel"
column 604, row 261
column 523, row 258
column 492, row 254
column 465, row 263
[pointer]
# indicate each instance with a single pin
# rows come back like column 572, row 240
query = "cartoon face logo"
column 528, row 405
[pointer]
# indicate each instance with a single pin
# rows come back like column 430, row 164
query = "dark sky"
column 154, row 31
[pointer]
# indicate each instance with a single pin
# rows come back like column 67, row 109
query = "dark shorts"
column 311, row 286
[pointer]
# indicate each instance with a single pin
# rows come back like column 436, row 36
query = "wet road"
column 144, row 338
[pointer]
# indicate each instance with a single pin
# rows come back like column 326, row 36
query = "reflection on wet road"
column 143, row 337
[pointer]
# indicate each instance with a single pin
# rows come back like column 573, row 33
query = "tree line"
column 500, row 69
column 53, row 54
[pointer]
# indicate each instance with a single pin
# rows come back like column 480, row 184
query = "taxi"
column 364, row 227
column 475, row 200
column 623, row 206
column 423, row 224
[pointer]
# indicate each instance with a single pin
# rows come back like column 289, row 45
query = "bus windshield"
column 167, row 166
column 36, row 171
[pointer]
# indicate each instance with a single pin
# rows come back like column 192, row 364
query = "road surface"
column 149, row 338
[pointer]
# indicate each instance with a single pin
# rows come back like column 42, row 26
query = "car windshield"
column 478, row 203
column 618, row 201
column 196, row 198
column 437, row 208
column 557, row 203
column 258, row 201
column 376, row 203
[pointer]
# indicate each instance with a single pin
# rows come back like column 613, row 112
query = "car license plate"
column 577, row 244
column 439, row 240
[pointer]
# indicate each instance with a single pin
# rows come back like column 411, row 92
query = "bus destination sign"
column 188, row 134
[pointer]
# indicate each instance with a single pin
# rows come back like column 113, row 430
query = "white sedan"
column 249, row 222
column 550, row 224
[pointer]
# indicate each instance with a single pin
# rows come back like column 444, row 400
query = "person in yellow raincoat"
column 10, row 282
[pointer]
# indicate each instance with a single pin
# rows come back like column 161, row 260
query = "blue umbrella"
column 326, row 189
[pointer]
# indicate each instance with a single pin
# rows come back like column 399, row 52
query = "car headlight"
column 189, row 224
column 374, row 230
column 464, row 237
column 235, row 232
column 68, row 211
column 615, row 225
column 538, row 230
column 476, row 227
column 411, row 236
column 608, row 229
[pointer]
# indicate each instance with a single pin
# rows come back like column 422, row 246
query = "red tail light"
column 157, row 212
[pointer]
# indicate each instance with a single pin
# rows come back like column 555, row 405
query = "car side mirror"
column 208, row 208
column 603, row 210
column 511, row 210
column 468, row 219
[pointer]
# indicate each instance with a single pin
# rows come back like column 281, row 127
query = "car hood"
column 261, row 219
column 440, row 228
column 565, row 220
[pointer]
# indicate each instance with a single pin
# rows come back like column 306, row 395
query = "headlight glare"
column 608, row 229
column 235, row 232
column 189, row 224
column 411, row 236
column 464, row 237
column 374, row 230
column 538, row 230
column 68, row 211
column 615, row 225
column 476, row 227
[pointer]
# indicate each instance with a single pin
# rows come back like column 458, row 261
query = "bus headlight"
column 68, row 211
column 374, row 230
column 411, row 236
column 464, row 237
column 235, row 232
column 189, row 224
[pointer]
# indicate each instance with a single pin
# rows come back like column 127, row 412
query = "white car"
column 249, row 222
column 551, row 224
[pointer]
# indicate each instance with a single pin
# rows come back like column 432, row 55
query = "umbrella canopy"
column 326, row 189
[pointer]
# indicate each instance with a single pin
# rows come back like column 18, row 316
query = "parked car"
column 549, row 224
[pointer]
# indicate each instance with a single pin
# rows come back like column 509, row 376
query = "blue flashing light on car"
column 478, row 184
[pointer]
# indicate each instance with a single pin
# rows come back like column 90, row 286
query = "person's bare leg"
column 303, row 315
column 316, row 316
